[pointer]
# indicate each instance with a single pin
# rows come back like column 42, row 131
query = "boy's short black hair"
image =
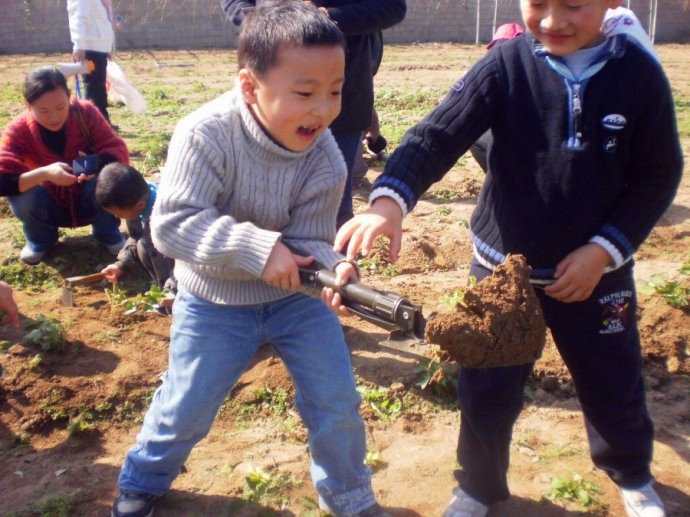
column 283, row 23
column 120, row 186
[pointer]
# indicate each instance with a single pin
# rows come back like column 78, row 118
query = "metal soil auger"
column 499, row 323
column 387, row 310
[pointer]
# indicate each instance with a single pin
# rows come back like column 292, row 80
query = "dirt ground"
column 113, row 362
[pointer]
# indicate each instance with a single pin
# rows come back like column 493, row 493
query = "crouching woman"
column 37, row 150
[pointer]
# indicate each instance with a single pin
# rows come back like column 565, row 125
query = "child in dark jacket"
column 586, row 158
column 123, row 192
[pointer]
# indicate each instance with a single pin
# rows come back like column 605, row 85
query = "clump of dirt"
column 498, row 323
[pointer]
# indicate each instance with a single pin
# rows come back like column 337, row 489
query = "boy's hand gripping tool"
column 384, row 309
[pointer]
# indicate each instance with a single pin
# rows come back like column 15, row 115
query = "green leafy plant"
column 675, row 293
column 444, row 213
column 438, row 376
column 373, row 459
column 573, row 489
column 55, row 507
column 78, row 424
column 274, row 399
column 30, row 278
column 264, row 486
column 50, row 405
column 382, row 404
column 457, row 299
column 150, row 301
column 47, row 332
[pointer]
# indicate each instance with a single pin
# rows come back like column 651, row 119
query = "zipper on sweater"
column 575, row 108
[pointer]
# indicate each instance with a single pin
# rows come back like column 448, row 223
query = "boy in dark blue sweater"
column 586, row 158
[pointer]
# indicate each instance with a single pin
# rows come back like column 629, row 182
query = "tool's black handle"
column 388, row 310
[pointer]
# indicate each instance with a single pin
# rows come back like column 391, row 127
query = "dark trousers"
column 158, row 266
column 94, row 82
column 348, row 144
column 599, row 342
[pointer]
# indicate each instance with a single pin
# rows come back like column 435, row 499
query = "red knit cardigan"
column 22, row 148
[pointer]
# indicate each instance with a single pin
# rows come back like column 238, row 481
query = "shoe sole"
column 150, row 514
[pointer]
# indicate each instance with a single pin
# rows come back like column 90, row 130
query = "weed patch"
column 266, row 487
column 29, row 278
column 47, row 333
column 676, row 293
column 573, row 489
column 385, row 406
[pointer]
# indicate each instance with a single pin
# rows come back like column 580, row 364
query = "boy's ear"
column 247, row 82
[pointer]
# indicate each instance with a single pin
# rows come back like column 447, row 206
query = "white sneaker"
column 464, row 505
column 30, row 256
column 643, row 502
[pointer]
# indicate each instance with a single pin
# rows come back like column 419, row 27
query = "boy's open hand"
column 281, row 268
column 112, row 273
column 579, row 273
column 384, row 217
column 344, row 271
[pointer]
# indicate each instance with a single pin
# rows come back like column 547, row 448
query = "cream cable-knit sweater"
column 228, row 192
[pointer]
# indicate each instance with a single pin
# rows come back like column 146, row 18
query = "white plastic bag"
column 122, row 90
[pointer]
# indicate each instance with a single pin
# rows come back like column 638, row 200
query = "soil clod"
column 499, row 322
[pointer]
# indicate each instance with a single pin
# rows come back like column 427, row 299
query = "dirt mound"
column 663, row 333
column 498, row 322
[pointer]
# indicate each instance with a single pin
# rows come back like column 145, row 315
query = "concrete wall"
column 28, row 26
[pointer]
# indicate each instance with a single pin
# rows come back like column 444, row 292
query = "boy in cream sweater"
column 249, row 172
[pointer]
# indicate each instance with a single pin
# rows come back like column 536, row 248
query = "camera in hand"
column 89, row 164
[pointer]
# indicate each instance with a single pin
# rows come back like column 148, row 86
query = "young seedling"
column 676, row 293
column 47, row 332
column 262, row 486
column 386, row 407
column 573, row 489
column 438, row 376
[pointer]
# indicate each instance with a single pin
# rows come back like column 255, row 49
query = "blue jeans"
column 211, row 345
column 41, row 217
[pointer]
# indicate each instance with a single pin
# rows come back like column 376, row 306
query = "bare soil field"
column 68, row 418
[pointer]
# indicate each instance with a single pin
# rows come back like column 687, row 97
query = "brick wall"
column 28, row 26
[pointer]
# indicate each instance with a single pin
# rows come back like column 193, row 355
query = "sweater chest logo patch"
column 614, row 121
column 610, row 144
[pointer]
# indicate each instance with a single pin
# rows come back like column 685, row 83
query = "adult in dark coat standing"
column 361, row 21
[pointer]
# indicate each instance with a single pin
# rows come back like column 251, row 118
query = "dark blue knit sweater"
column 597, row 160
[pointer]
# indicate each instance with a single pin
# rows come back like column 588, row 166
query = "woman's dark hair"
column 43, row 80
column 120, row 186
column 283, row 23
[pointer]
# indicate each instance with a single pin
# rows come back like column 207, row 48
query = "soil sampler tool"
column 390, row 311
column 498, row 322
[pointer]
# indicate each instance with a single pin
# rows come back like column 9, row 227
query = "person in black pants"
column 361, row 21
column 91, row 31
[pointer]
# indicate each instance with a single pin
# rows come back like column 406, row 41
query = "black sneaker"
column 377, row 145
column 133, row 504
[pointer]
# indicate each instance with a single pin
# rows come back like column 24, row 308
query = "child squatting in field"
column 246, row 173
column 586, row 158
column 123, row 192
